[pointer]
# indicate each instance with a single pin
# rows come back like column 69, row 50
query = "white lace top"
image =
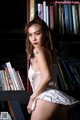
column 51, row 94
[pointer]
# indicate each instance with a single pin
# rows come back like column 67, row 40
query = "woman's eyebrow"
column 35, row 31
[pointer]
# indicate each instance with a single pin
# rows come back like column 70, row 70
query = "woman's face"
column 35, row 35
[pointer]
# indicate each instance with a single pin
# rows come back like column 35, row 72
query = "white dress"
column 51, row 94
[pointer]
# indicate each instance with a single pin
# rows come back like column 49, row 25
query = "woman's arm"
column 44, row 69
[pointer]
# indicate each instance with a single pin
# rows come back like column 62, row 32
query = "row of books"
column 43, row 10
column 62, row 17
column 68, row 74
column 10, row 79
column 69, row 18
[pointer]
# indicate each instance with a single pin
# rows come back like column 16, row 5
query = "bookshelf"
column 12, row 40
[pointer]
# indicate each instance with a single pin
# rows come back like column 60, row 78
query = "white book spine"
column 44, row 10
column 1, row 80
column 39, row 10
column 21, row 82
column 4, row 81
column 47, row 15
column 12, row 75
column 74, row 19
column 17, row 80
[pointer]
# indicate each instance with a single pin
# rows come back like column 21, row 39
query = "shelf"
column 24, row 95
column 21, row 96
column 67, row 37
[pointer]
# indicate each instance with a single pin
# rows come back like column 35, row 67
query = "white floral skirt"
column 56, row 96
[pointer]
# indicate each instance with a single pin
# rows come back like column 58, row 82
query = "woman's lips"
column 35, row 43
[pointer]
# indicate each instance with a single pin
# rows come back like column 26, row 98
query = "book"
column 66, row 18
column 61, row 81
column 60, row 19
column 39, row 10
column 44, row 11
column 70, row 18
column 36, row 5
column 73, row 75
column 61, row 73
column 17, row 79
column 47, row 15
column 4, row 80
column 77, row 18
column 51, row 14
column 12, row 77
column 77, row 80
column 1, row 81
column 9, row 77
column 74, row 19
column 69, row 79
column 32, row 9
column 21, row 82
column 6, row 83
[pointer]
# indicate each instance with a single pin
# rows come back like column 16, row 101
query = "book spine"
column 22, row 85
column 7, row 81
column 9, row 77
column 47, row 15
column 4, row 81
column 39, row 10
column 51, row 17
column 66, row 18
column 69, row 78
column 60, row 19
column 70, row 18
column 1, row 81
column 32, row 9
column 74, row 19
column 62, row 76
column 44, row 10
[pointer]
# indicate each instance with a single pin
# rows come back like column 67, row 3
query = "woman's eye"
column 37, row 33
column 29, row 35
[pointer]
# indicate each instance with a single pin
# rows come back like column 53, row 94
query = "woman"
column 46, row 102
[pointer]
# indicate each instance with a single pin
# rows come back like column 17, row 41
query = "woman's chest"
column 34, row 64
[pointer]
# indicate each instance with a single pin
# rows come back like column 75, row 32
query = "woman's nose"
column 34, row 38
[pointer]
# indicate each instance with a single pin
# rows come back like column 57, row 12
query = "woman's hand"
column 30, row 105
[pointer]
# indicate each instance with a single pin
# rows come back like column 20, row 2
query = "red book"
column 51, row 11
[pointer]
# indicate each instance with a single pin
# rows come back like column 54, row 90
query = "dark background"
column 13, row 16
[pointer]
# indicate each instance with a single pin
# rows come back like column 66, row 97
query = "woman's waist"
column 50, row 85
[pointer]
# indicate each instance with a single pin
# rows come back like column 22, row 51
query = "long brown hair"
column 46, row 32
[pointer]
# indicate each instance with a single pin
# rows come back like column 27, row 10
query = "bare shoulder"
column 39, row 50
